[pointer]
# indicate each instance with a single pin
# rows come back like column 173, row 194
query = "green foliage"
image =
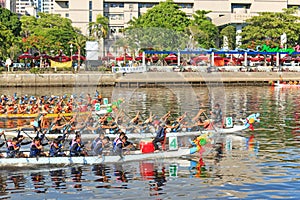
column 34, row 70
column 268, row 27
column 99, row 28
column 230, row 33
column 10, row 21
column 208, row 33
column 153, row 38
column 48, row 32
column 164, row 15
column 9, row 34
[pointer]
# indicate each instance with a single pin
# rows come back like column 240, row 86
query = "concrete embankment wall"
column 142, row 79
column 56, row 80
column 201, row 79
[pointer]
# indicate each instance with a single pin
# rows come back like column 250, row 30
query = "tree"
column 9, row 34
column 268, row 27
column 209, row 33
column 79, row 42
column 230, row 33
column 164, row 15
column 99, row 28
column 161, row 27
column 50, row 31
column 7, row 41
column 10, row 21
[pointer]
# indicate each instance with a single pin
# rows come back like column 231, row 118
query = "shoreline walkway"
column 147, row 79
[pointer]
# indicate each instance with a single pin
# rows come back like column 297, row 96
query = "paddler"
column 36, row 148
column 118, row 144
column 77, row 147
column 39, row 122
column 160, row 135
column 100, row 145
column 56, row 147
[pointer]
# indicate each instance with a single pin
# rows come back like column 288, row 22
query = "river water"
column 269, row 168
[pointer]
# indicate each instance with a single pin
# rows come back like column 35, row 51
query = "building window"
column 233, row 6
column 116, row 16
column 106, row 5
column 90, row 5
column 147, row 5
column 90, row 16
column 67, row 15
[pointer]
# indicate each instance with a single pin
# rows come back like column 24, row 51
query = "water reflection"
column 76, row 175
column 38, row 181
column 58, row 178
column 265, row 166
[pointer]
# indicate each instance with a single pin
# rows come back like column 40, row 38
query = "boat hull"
column 90, row 160
column 136, row 135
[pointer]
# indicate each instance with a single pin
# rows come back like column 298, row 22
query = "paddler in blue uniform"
column 56, row 147
column 13, row 148
column 77, row 147
column 118, row 144
column 100, row 145
column 36, row 148
column 160, row 135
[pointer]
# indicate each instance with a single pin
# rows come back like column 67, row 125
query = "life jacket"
column 34, row 152
column 160, row 132
column 98, row 151
column 54, row 150
column 11, row 152
column 95, row 142
column 115, row 141
column 76, row 150
column 177, row 128
column 118, row 141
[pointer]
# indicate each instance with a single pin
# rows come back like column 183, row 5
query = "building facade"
column 33, row 7
column 8, row 4
column 119, row 13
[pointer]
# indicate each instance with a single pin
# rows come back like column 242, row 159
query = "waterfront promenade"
column 92, row 78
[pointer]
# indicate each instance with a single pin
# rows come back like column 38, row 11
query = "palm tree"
column 99, row 28
column 78, row 41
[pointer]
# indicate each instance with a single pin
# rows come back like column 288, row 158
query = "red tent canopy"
column 171, row 57
column 26, row 55
column 44, row 56
column 109, row 56
column 121, row 58
column 75, row 57
column 61, row 58
column 201, row 58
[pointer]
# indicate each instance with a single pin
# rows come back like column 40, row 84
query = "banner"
column 59, row 65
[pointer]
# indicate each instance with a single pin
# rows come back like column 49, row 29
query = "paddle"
column 27, row 135
column 5, row 139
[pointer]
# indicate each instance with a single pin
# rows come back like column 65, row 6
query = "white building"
column 119, row 13
column 32, row 7
column 8, row 4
